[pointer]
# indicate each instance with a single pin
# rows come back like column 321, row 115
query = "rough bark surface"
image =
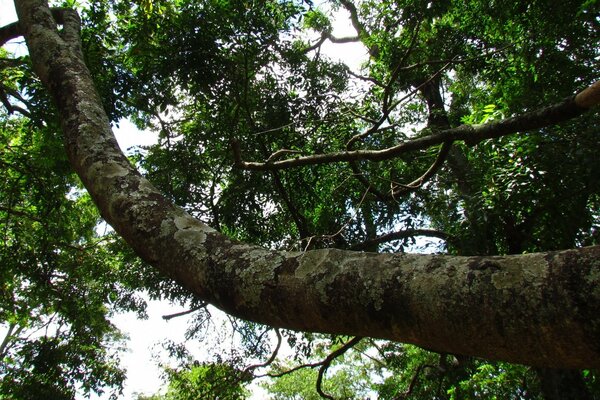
column 536, row 309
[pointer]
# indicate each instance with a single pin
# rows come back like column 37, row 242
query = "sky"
column 143, row 374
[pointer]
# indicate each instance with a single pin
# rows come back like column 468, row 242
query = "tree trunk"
column 536, row 309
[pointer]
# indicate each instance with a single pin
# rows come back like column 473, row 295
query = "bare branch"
column 317, row 44
column 280, row 153
column 589, row 97
column 351, row 8
column 347, row 39
column 366, row 78
column 328, row 36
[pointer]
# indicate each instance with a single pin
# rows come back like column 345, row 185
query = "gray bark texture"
column 536, row 309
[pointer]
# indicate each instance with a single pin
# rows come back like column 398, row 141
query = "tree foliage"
column 58, row 275
column 231, row 83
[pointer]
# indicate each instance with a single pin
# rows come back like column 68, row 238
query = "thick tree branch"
column 537, row 309
column 333, row 39
column 470, row 134
column 10, row 32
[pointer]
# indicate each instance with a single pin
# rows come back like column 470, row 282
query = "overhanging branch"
column 536, row 309
column 470, row 134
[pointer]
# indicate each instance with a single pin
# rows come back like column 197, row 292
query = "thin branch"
column 11, row 108
column 366, row 78
column 12, row 333
column 359, row 175
column 470, row 134
column 281, row 153
column 387, row 108
column 454, row 60
column 396, row 73
column 327, row 362
column 271, row 358
column 401, row 189
column 20, row 213
column 317, row 44
column 289, row 371
column 182, row 313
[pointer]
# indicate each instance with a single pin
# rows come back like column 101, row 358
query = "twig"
column 182, row 313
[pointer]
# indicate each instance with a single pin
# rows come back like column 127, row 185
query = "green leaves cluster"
column 58, row 277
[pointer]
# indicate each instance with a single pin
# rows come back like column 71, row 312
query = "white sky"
column 143, row 373
column 7, row 12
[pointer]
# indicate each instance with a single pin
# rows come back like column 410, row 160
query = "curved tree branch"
column 537, row 309
column 402, row 189
column 10, row 32
column 327, row 362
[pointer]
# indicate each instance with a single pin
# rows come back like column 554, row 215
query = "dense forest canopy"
column 288, row 189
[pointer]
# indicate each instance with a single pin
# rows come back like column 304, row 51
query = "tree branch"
column 272, row 358
column 545, row 305
column 327, row 362
column 10, row 32
column 470, row 134
column 182, row 313
column 401, row 189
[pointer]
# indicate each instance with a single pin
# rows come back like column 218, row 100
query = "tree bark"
column 536, row 309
